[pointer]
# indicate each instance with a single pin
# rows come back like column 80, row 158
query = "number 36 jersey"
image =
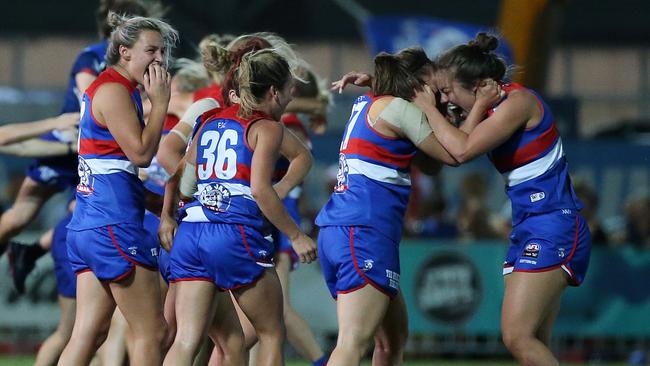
column 223, row 171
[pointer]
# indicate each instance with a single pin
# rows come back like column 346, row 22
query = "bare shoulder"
column 112, row 92
column 267, row 129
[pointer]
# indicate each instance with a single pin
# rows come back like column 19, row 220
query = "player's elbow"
column 141, row 160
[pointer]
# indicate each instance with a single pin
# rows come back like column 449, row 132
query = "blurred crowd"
column 431, row 216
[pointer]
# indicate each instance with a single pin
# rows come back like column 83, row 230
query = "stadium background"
column 590, row 59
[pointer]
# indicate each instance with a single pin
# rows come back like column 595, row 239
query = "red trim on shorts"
column 131, row 260
column 352, row 289
column 83, row 271
column 254, row 281
column 243, row 236
column 356, row 267
column 123, row 276
column 185, row 279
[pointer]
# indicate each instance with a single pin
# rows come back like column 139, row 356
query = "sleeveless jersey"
column 109, row 190
column 534, row 166
column 223, row 170
column 373, row 180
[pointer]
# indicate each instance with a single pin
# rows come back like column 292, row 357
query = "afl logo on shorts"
column 85, row 185
column 215, row 197
column 531, row 250
column 342, row 175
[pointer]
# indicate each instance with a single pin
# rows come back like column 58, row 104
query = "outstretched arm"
column 37, row 148
column 16, row 132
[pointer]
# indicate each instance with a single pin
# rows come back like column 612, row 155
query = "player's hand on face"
column 167, row 231
column 425, row 98
column 157, row 84
column 305, row 247
column 353, row 77
column 488, row 92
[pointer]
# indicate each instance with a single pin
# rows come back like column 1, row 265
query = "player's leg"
column 262, row 304
column 529, row 299
column 299, row 334
column 95, row 307
column 359, row 314
column 51, row 349
column 113, row 351
column 391, row 336
column 226, row 334
column 29, row 201
column 138, row 298
column 194, row 307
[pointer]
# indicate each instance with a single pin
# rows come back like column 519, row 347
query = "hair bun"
column 114, row 19
column 485, row 42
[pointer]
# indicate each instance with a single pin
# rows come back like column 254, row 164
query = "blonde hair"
column 190, row 75
column 257, row 72
column 280, row 46
column 126, row 31
column 215, row 56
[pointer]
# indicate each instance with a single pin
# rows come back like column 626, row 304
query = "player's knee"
column 12, row 222
column 391, row 346
column 356, row 337
column 233, row 345
column 515, row 339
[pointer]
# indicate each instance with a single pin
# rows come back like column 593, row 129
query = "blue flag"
column 393, row 33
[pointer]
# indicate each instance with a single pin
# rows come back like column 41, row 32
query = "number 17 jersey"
column 223, row 171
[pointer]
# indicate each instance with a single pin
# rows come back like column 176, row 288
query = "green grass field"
column 29, row 360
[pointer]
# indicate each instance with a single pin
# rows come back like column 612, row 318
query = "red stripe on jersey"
column 528, row 152
column 243, row 172
column 362, row 147
column 99, row 147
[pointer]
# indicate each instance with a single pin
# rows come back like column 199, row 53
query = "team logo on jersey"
column 367, row 265
column 133, row 250
column 215, row 197
column 342, row 175
column 537, row 196
column 86, row 179
column 531, row 250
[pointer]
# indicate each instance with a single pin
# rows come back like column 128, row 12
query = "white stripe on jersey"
column 111, row 166
column 535, row 168
column 234, row 189
column 378, row 172
column 195, row 214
